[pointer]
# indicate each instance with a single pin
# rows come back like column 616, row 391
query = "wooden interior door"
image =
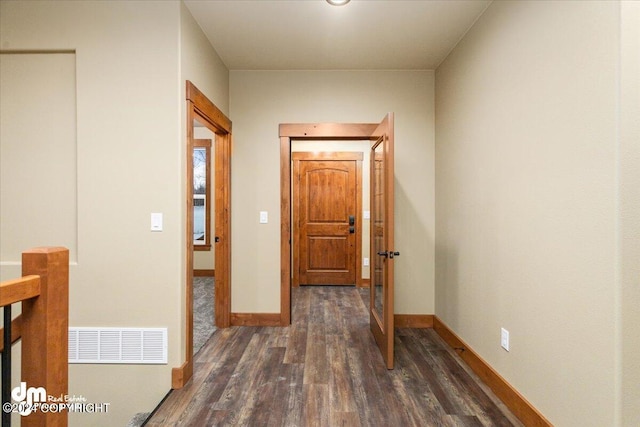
column 382, row 245
column 326, row 218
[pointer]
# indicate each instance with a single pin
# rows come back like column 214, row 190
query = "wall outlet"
column 366, row 262
column 504, row 338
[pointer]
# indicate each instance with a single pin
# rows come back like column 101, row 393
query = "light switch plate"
column 366, row 214
column 504, row 338
column 156, row 221
column 264, row 217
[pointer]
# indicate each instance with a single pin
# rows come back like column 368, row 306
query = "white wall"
column 260, row 101
column 131, row 61
column 526, row 182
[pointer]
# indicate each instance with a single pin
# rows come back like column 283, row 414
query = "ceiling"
column 313, row 35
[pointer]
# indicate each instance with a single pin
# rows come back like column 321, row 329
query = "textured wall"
column 525, row 200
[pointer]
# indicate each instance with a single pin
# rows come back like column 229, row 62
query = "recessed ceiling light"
column 338, row 2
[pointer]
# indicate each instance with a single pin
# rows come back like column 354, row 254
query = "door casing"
column 314, row 132
column 199, row 106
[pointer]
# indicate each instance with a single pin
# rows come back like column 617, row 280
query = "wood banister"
column 18, row 290
column 45, row 330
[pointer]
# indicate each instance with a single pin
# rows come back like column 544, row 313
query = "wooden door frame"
column 312, row 132
column 199, row 106
column 334, row 156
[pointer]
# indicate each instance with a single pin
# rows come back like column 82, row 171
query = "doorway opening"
column 206, row 126
column 330, row 207
column 381, row 137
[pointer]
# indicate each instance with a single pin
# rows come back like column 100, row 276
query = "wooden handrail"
column 18, row 290
column 44, row 292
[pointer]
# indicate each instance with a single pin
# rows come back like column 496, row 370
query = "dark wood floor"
column 325, row 370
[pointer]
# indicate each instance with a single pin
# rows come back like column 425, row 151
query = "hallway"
column 325, row 370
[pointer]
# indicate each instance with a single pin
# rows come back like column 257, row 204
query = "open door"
column 382, row 245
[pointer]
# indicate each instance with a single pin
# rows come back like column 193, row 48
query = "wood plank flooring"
column 325, row 370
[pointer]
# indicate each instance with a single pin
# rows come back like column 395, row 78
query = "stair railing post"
column 46, row 330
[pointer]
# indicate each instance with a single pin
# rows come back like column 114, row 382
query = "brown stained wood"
column 413, row 320
column 327, row 130
column 325, row 195
column 382, row 237
column 204, row 273
column 359, row 223
column 327, row 189
column 255, row 319
column 181, row 374
column 326, row 370
column 206, row 108
column 364, row 283
column 285, row 231
column 45, row 329
column 326, row 155
column 13, row 291
column 222, row 310
column 201, row 108
column 16, row 331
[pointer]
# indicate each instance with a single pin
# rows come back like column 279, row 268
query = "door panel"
column 327, row 198
column 382, row 242
column 325, row 208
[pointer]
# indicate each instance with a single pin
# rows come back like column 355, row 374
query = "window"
column 201, row 194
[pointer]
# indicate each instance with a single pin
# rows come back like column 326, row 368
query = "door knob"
column 352, row 229
column 352, row 220
column 384, row 254
column 394, row 254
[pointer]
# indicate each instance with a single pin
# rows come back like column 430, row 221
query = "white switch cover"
column 366, row 214
column 156, row 221
column 366, row 262
column 504, row 338
column 264, row 217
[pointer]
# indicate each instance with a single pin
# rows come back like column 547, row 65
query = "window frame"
column 199, row 144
